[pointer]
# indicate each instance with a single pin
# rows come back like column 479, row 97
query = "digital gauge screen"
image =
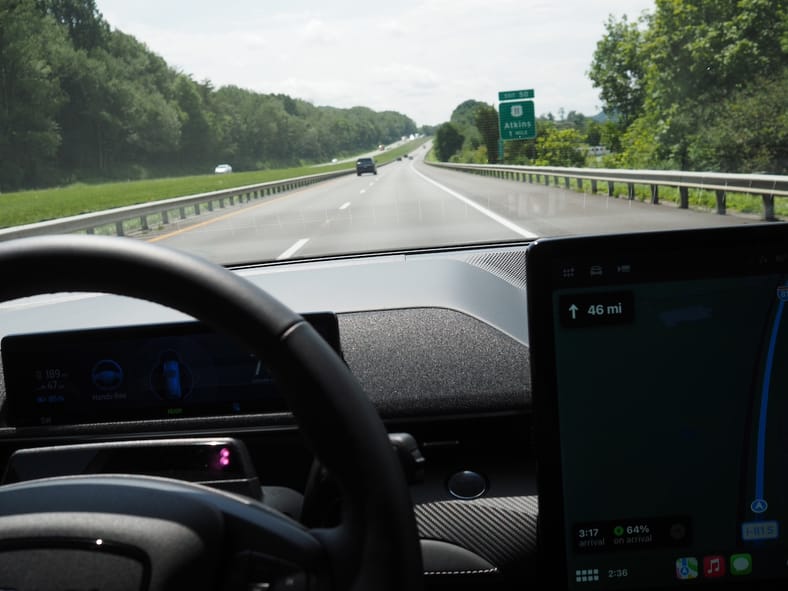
column 142, row 372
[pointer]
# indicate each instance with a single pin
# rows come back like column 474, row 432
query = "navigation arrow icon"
column 573, row 311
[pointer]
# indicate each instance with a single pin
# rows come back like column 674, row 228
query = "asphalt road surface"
column 411, row 204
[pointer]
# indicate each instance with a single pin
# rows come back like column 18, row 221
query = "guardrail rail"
column 165, row 210
column 767, row 186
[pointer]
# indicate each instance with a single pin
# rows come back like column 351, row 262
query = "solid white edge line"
column 480, row 208
column 293, row 249
column 345, row 205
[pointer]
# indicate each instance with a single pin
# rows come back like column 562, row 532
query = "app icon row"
column 713, row 566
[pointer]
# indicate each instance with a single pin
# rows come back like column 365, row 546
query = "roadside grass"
column 699, row 199
column 29, row 207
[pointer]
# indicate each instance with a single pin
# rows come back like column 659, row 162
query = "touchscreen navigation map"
column 673, row 405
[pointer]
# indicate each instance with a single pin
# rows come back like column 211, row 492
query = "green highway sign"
column 515, row 95
column 517, row 120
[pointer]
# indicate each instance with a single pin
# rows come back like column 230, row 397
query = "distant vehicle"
column 223, row 169
column 365, row 165
column 334, row 160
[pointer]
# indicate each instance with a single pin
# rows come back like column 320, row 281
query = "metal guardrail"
column 166, row 210
column 767, row 186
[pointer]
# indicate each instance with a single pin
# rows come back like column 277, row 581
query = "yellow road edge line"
column 229, row 214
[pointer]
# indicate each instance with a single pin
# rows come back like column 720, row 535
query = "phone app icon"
column 713, row 566
column 686, row 568
column 741, row 564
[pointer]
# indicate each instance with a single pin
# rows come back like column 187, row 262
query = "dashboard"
column 437, row 339
column 487, row 365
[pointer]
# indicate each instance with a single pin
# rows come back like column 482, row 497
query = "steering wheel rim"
column 376, row 544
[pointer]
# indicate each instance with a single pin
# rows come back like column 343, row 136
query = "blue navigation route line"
column 767, row 380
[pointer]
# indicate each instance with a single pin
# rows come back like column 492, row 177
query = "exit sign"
column 515, row 95
column 517, row 120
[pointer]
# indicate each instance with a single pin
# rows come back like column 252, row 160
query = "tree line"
column 82, row 101
column 471, row 135
column 693, row 85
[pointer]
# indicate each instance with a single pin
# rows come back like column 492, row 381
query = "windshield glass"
column 259, row 131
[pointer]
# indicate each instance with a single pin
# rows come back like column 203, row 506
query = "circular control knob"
column 467, row 485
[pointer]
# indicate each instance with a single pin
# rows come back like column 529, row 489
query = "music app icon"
column 713, row 566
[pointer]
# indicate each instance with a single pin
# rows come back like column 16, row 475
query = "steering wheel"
column 146, row 533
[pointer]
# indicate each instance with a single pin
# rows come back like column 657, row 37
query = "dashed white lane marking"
column 362, row 191
column 480, row 208
column 345, row 205
column 293, row 249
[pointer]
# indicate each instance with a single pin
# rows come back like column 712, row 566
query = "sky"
column 421, row 58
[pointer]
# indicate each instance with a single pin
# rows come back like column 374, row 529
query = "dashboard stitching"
column 485, row 571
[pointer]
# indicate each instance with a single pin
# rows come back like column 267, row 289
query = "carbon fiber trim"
column 508, row 265
column 500, row 529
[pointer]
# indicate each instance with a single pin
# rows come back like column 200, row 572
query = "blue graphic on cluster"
column 107, row 375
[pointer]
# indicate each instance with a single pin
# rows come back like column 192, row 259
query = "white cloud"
column 318, row 32
column 422, row 58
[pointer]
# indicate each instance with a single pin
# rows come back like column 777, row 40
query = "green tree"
column 448, row 141
column 696, row 85
column 618, row 69
column 559, row 147
column 748, row 132
column 86, row 27
column 486, row 121
column 594, row 133
column 30, row 94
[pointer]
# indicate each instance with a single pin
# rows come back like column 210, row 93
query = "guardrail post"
column 530, row 178
column 654, row 194
column 720, row 201
column 684, row 197
column 196, row 209
column 567, row 180
column 555, row 178
column 630, row 191
column 165, row 217
column 182, row 212
column 611, row 188
column 90, row 231
column 580, row 183
column 593, row 186
column 547, row 180
column 210, row 205
column 119, row 228
column 221, row 202
column 768, row 208
column 144, row 222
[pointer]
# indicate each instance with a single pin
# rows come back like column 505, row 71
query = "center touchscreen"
column 144, row 372
column 668, row 389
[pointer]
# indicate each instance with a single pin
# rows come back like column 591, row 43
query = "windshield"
column 259, row 131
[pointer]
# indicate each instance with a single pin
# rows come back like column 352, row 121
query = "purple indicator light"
column 224, row 457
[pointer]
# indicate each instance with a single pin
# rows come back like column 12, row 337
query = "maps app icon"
column 782, row 293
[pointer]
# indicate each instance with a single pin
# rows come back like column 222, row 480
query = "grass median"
column 29, row 207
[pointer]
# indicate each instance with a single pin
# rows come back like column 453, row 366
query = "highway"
column 411, row 204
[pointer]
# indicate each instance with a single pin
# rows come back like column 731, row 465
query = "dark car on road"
column 365, row 165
